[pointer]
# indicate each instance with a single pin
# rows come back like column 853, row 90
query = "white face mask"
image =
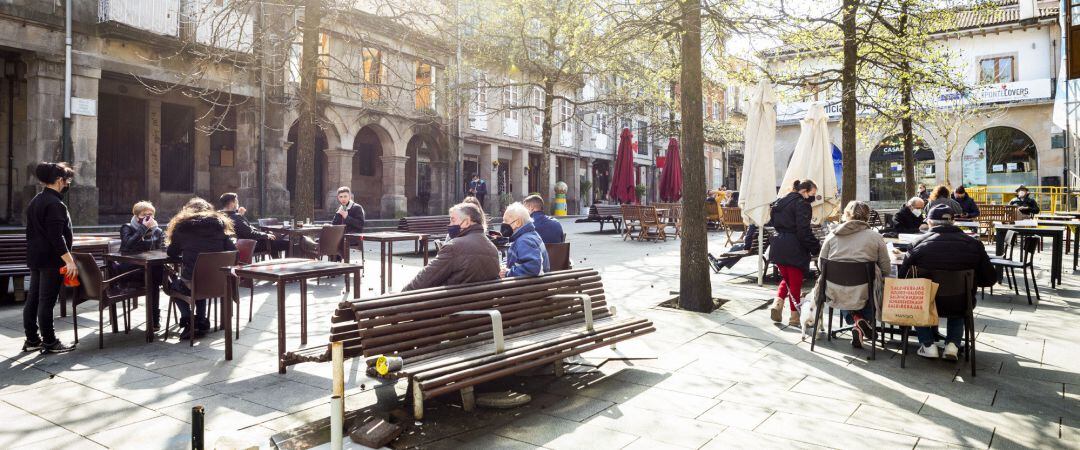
column 917, row 212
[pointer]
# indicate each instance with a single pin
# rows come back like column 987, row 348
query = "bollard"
column 337, row 400
column 198, row 415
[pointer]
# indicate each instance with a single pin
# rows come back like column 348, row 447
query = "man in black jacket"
column 907, row 220
column 229, row 203
column 48, row 249
column 946, row 247
column 971, row 210
column 349, row 213
column 1026, row 205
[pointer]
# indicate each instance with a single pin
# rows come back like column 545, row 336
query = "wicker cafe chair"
column 846, row 274
column 107, row 292
column 955, row 286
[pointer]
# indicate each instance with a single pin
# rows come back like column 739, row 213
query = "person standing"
column 48, row 249
column 142, row 234
column 923, row 193
column 478, row 188
column 349, row 213
column 1024, row 203
column 791, row 247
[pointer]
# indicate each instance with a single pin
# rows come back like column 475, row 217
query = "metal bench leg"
column 20, row 288
column 557, row 368
column 468, row 399
column 417, row 401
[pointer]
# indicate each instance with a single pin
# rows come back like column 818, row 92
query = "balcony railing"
column 156, row 16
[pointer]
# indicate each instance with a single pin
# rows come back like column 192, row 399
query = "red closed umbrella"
column 622, row 181
column 671, row 178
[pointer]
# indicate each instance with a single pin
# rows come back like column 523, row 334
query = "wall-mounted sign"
column 84, row 106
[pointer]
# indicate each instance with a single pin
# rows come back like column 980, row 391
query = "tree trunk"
column 695, row 288
column 303, row 206
column 905, row 119
column 546, row 185
column 848, row 103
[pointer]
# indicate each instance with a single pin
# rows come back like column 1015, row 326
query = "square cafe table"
column 1071, row 226
column 386, row 240
column 1056, row 233
column 281, row 272
column 295, row 235
column 146, row 260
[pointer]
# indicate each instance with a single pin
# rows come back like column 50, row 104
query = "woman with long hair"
column 197, row 228
column 791, row 247
column 943, row 196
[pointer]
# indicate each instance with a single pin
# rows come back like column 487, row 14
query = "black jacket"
column 137, row 238
column 948, row 248
column 198, row 234
column 971, row 210
column 48, row 230
column 907, row 221
column 794, row 241
column 1027, row 205
column 243, row 228
column 354, row 223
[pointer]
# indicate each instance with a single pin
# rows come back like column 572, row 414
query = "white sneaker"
column 929, row 351
column 951, row 351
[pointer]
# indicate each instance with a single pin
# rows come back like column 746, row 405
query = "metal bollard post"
column 198, row 415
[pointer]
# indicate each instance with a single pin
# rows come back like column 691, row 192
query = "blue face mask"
column 453, row 231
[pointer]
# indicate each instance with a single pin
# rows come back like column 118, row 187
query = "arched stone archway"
column 367, row 168
column 1000, row 156
column 318, row 182
column 887, row 168
column 427, row 173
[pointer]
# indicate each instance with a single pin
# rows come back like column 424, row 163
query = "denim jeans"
column 954, row 333
column 867, row 312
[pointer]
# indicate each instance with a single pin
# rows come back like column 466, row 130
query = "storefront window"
column 887, row 168
column 1000, row 156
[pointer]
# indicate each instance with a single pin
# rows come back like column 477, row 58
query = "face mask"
column 809, row 199
column 1021, row 194
column 916, row 212
column 453, row 231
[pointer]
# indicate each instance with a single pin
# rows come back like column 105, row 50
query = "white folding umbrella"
column 758, row 188
column 813, row 160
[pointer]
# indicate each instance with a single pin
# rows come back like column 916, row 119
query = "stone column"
column 518, row 180
column 489, row 153
column 338, row 172
column 153, row 149
column 443, row 187
column 573, row 187
column 548, row 192
column 394, row 203
column 82, row 200
column 588, row 199
column 44, row 112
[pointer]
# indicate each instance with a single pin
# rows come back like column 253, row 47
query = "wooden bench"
column 435, row 226
column 13, row 264
column 453, row 338
column 604, row 213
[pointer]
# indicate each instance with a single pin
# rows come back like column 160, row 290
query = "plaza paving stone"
column 729, row 379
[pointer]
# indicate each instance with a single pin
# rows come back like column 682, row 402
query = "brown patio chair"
column 107, row 292
column 208, row 282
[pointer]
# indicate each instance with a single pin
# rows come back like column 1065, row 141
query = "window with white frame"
column 478, row 107
column 566, row 125
column 538, row 114
column 374, row 72
column 511, row 102
column 600, row 129
column 999, row 69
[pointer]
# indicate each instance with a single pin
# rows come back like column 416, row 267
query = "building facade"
column 1004, row 137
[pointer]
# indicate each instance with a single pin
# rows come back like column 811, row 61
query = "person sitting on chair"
column 550, row 230
column 910, row 217
column 527, row 256
column 229, row 204
column 141, row 234
column 196, row 229
column 1026, row 205
column 855, row 241
column 349, row 213
column 967, row 204
column 947, row 247
column 941, row 196
column 467, row 258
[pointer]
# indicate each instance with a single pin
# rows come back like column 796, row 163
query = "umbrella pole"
column 761, row 257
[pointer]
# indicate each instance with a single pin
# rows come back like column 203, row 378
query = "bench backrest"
column 13, row 249
column 630, row 212
column 424, row 224
column 603, row 210
column 732, row 217
column 712, row 212
column 422, row 324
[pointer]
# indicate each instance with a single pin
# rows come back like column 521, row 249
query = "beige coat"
column 853, row 241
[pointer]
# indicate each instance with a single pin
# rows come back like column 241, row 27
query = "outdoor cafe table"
column 146, row 260
column 295, row 235
column 1071, row 226
column 1057, row 233
column 386, row 240
column 281, row 272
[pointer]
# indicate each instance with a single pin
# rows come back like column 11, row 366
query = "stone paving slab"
column 730, row 379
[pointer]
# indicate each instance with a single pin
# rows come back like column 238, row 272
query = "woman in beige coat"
column 854, row 241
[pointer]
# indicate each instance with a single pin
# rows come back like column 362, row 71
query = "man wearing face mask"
column 910, row 217
column 48, row 249
column 467, row 258
column 1026, row 205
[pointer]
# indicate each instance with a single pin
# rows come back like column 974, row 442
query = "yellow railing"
column 1051, row 198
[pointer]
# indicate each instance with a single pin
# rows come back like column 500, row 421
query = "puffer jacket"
column 527, row 257
column 467, row 258
column 135, row 237
column 794, row 241
column 854, row 241
column 195, row 235
column 1027, row 205
column 948, row 248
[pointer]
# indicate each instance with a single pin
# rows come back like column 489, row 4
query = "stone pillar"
column 393, row 203
column 573, row 187
column 489, row 153
column 44, row 114
column 548, row 192
column 440, row 182
column 82, row 200
column 518, row 180
column 338, row 172
column 588, row 199
column 153, row 149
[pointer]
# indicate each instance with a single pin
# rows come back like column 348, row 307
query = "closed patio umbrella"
column 622, row 181
column 671, row 178
column 758, row 188
column 813, row 160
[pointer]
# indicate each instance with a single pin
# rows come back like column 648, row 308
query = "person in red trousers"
column 790, row 248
